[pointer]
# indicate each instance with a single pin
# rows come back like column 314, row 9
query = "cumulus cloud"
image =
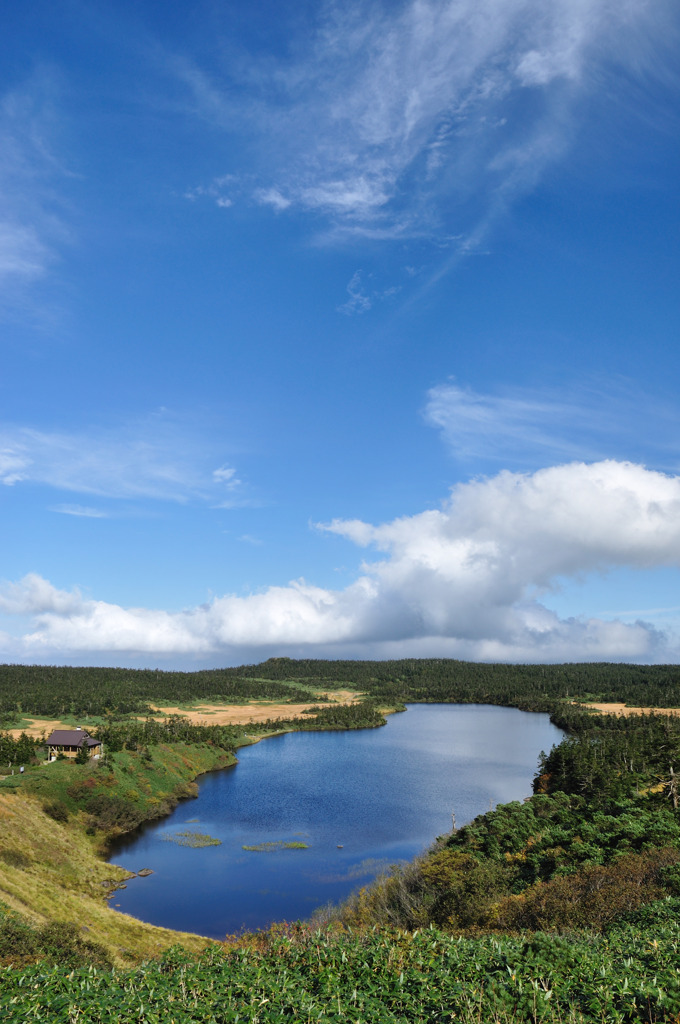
column 468, row 580
column 35, row 596
column 385, row 115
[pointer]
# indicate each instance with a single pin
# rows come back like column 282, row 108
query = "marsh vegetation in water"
column 195, row 840
column 277, row 844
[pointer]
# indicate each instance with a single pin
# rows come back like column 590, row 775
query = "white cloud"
column 467, row 580
column 358, row 301
column 22, row 254
column 213, row 191
column 524, row 427
column 383, row 111
column 272, row 197
column 13, row 464
column 361, row 299
column 35, row 596
column 32, row 225
column 226, row 475
column 80, row 511
column 157, row 458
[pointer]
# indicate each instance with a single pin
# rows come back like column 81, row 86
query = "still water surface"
column 361, row 800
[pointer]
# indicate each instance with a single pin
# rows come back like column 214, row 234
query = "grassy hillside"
column 55, row 822
column 49, row 871
column 628, row 974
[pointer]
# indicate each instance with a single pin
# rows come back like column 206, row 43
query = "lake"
column 360, row 800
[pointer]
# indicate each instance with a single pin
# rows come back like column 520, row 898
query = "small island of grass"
column 189, row 838
column 279, row 844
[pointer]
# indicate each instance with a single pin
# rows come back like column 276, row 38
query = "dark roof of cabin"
column 71, row 738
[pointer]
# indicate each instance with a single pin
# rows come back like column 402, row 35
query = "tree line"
column 55, row 691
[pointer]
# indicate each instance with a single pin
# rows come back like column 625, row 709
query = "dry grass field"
column 625, row 711
column 254, row 711
column 37, row 726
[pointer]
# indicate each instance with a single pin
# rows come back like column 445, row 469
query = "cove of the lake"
column 361, row 801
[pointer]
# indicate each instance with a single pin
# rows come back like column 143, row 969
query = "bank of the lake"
column 57, row 821
column 360, row 800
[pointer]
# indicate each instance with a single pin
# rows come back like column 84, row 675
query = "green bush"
column 57, row 943
column 56, row 810
column 113, row 812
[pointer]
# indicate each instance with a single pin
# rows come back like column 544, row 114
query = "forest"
column 56, row 691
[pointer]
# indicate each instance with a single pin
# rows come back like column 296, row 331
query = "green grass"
column 149, row 782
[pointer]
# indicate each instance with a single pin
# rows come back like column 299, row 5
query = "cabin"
column 69, row 741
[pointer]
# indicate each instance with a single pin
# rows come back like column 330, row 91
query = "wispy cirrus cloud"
column 363, row 295
column 526, row 427
column 466, row 580
column 158, row 459
column 408, row 119
column 80, row 511
column 358, row 301
column 33, row 225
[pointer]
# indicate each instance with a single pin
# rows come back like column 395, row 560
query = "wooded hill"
column 56, row 691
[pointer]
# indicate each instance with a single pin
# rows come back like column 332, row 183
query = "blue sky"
column 339, row 330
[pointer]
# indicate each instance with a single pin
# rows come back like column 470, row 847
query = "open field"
column 625, row 711
column 254, row 711
column 37, row 726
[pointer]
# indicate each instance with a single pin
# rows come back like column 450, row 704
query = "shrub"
column 592, row 897
column 113, row 812
column 56, row 810
column 61, row 943
column 55, row 943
